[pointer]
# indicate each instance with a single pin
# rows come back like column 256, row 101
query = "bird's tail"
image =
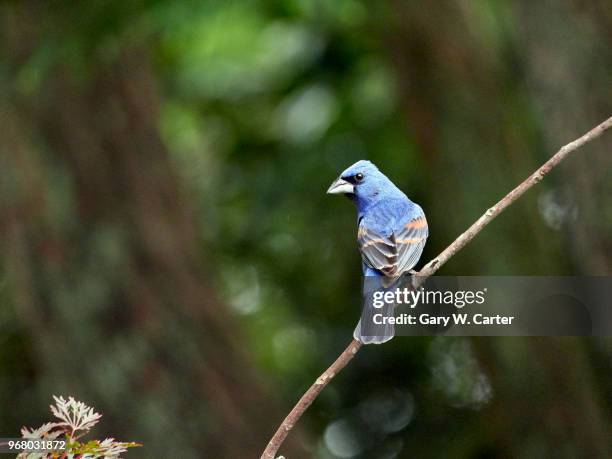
column 366, row 335
column 374, row 327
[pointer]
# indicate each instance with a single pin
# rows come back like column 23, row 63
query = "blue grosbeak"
column 391, row 234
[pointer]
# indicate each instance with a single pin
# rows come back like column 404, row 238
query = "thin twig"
column 429, row 269
column 308, row 398
column 494, row 211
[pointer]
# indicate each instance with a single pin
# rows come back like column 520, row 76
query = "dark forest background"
column 169, row 256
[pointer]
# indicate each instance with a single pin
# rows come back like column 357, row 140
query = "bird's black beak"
column 341, row 186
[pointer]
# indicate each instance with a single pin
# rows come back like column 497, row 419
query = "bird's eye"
column 359, row 177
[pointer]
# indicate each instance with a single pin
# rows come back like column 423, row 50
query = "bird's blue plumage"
column 392, row 229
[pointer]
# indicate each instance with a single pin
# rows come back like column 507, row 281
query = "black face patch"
column 352, row 179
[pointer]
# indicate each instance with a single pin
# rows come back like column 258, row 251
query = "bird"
column 391, row 234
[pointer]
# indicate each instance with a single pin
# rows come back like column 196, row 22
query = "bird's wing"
column 396, row 253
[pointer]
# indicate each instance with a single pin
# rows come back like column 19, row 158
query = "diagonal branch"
column 516, row 193
column 309, row 396
column 428, row 270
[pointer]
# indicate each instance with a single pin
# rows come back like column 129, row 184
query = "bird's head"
column 362, row 182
